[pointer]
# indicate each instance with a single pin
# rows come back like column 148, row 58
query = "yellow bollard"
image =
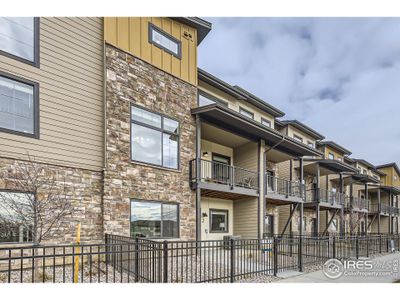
column 77, row 252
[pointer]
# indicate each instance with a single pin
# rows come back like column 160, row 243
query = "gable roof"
column 301, row 126
column 202, row 26
column 335, row 146
column 393, row 165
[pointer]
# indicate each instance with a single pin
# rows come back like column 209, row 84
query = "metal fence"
column 123, row 259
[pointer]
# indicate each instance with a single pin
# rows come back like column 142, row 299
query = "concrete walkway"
column 387, row 262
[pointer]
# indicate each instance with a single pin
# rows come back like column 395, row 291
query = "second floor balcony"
column 357, row 204
column 384, row 209
column 214, row 177
column 325, row 198
column 281, row 191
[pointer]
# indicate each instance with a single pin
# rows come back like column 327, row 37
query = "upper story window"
column 154, row 219
column 395, row 177
column 246, row 113
column 19, row 38
column 298, row 138
column 164, row 41
column 19, row 111
column 365, row 172
column 311, row 144
column 331, row 155
column 207, row 99
column 154, row 138
column 266, row 122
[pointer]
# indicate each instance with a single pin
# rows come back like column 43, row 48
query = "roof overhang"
column 202, row 26
column 335, row 146
column 362, row 178
column 327, row 167
column 233, row 121
column 388, row 189
column 303, row 127
column 393, row 165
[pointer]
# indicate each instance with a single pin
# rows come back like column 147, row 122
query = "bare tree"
column 38, row 201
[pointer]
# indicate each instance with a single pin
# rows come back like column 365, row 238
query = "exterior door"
column 270, row 180
column 220, row 168
column 314, row 226
column 269, row 226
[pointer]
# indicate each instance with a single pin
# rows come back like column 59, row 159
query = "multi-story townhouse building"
column 153, row 146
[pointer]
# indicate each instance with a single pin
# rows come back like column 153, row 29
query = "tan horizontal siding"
column 71, row 95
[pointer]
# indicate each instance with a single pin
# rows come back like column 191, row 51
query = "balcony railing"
column 284, row 187
column 384, row 209
column 361, row 203
column 395, row 211
column 324, row 196
column 220, row 173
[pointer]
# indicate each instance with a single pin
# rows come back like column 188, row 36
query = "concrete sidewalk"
column 386, row 262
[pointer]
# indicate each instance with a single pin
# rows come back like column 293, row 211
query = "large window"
column 155, row 138
column 13, row 208
column 19, row 112
column 164, row 41
column 218, row 221
column 298, row 138
column 207, row 99
column 154, row 219
column 19, row 38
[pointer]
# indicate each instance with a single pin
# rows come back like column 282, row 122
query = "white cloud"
column 339, row 75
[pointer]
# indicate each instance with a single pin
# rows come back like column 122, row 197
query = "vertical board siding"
column 131, row 34
column 71, row 95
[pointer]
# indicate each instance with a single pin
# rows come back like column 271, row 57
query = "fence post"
column 334, row 247
column 300, row 253
column 387, row 244
column 136, row 259
column 232, row 246
column 367, row 241
column 275, row 250
column 165, row 261
column 357, row 246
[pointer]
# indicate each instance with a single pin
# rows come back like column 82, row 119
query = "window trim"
column 36, row 47
column 166, row 34
column 15, row 191
column 329, row 154
column 161, row 203
column 246, row 111
column 266, row 120
column 162, row 130
column 36, row 108
column 227, row 220
column 211, row 97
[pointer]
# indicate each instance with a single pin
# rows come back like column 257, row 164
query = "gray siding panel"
column 71, row 95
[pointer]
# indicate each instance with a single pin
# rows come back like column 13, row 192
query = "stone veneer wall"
column 129, row 81
column 85, row 194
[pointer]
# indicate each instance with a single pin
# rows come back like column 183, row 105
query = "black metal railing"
column 123, row 259
column 284, row 187
column 220, row 173
column 360, row 204
column 325, row 196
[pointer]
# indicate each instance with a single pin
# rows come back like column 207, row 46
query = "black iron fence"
column 123, row 259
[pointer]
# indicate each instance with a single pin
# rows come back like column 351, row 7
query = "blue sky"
column 341, row 76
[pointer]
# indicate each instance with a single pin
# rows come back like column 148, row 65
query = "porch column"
column 342, row 199
column 367, row 204
column 390, row 215
column 301, row 207
column 317, row 195
column 379, row 210
column 261, row 188
column 198, row 176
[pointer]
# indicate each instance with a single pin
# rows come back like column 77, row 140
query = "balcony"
column 221, row 180
column 384, row 209
column 325, row 198
column 281, row 191
column 395, row 211
column 358, row 204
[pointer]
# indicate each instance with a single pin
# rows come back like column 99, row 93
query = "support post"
column 198, row 172
column 275, row 250
column 165, row 262
column 379, row 210
column 342, row 200
column 232, row 275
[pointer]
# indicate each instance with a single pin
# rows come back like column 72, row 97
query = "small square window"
column 165, row 41
column 266, row 122
column 218, row 221
column 331, row 156
column 310, row 144
column 246, row 113
column 206, row 99
column 298, row 138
